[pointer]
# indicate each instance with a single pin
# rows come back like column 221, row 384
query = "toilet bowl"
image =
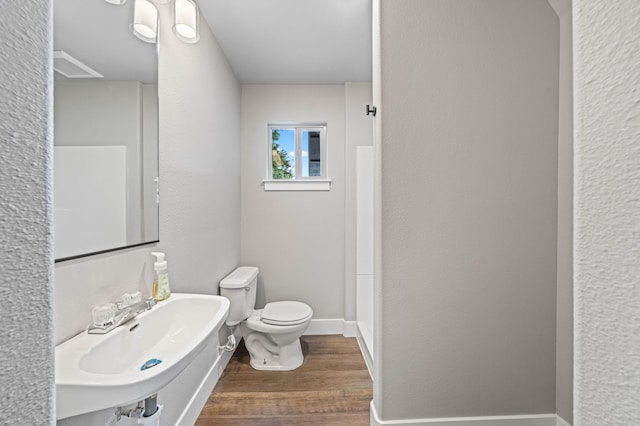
column 272, row 334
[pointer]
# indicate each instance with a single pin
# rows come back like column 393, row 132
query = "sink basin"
column 95, row 371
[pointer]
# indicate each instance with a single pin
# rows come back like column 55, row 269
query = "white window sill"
column 297, row 185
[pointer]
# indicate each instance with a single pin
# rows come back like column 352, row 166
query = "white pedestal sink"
column 95, row 372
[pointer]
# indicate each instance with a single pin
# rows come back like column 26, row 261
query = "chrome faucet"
column 122, row 316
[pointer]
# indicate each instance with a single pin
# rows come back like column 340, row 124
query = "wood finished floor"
column 331, row 388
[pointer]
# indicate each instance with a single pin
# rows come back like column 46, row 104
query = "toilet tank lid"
column 239, row 278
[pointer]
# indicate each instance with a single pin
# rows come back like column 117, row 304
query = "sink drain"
column 151, row 363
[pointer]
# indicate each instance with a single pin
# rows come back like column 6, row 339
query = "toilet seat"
column 255, row 323
column 286, row 313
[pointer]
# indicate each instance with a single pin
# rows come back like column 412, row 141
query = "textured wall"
column 469, row 205
column 607, row 212
column 296, row 238
column 26, row 310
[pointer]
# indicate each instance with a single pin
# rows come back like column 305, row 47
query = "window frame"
column 298, row 182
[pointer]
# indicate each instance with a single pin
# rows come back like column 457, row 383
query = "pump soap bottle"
column 161, row 289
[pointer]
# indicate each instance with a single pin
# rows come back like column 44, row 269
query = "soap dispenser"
column 161, row 289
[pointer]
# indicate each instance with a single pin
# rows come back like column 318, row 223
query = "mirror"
column 105, row 130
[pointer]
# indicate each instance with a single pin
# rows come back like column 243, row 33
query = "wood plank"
column 288, row 403
column 342, row 419
column 330, row 345
column 299, row 381
column 329, row 362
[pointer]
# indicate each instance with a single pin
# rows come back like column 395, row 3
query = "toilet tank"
column 240, row 288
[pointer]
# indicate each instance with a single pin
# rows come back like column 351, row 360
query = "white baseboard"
column 368, row 360
column 525, row 420
column 198, row 400
column 562, row 422
column 331, row 326
column 350, row 329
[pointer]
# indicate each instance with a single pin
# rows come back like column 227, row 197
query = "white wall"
column 199, row 201
column 90, row 198
column 607, row 212
column 359, row 132
column 84, row 283
column 199, row 160
column 26, row 148
column 295, row 238
column 469, row 206
column 364, row 249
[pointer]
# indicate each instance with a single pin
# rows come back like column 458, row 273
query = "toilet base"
column 289, row 358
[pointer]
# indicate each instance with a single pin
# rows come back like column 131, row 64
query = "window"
column 297, row 157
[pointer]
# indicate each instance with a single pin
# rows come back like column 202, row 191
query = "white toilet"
column 271, row 335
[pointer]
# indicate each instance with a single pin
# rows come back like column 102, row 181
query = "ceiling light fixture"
column 186, row 19
column 145, row 21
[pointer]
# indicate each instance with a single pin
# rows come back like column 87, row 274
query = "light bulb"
column 145, row 21
column 185, row 20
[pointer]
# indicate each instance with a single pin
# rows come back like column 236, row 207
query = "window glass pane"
column 282, row 153
column 311, row 165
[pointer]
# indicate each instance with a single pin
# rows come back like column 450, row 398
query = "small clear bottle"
column 161, row 289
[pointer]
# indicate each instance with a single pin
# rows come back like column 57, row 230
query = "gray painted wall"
column 607, row 212
column 26, row 146
column 469, row 208
column 295, row 238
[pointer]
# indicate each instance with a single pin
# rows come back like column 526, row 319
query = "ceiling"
column 265, row 41
column 293, row 41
